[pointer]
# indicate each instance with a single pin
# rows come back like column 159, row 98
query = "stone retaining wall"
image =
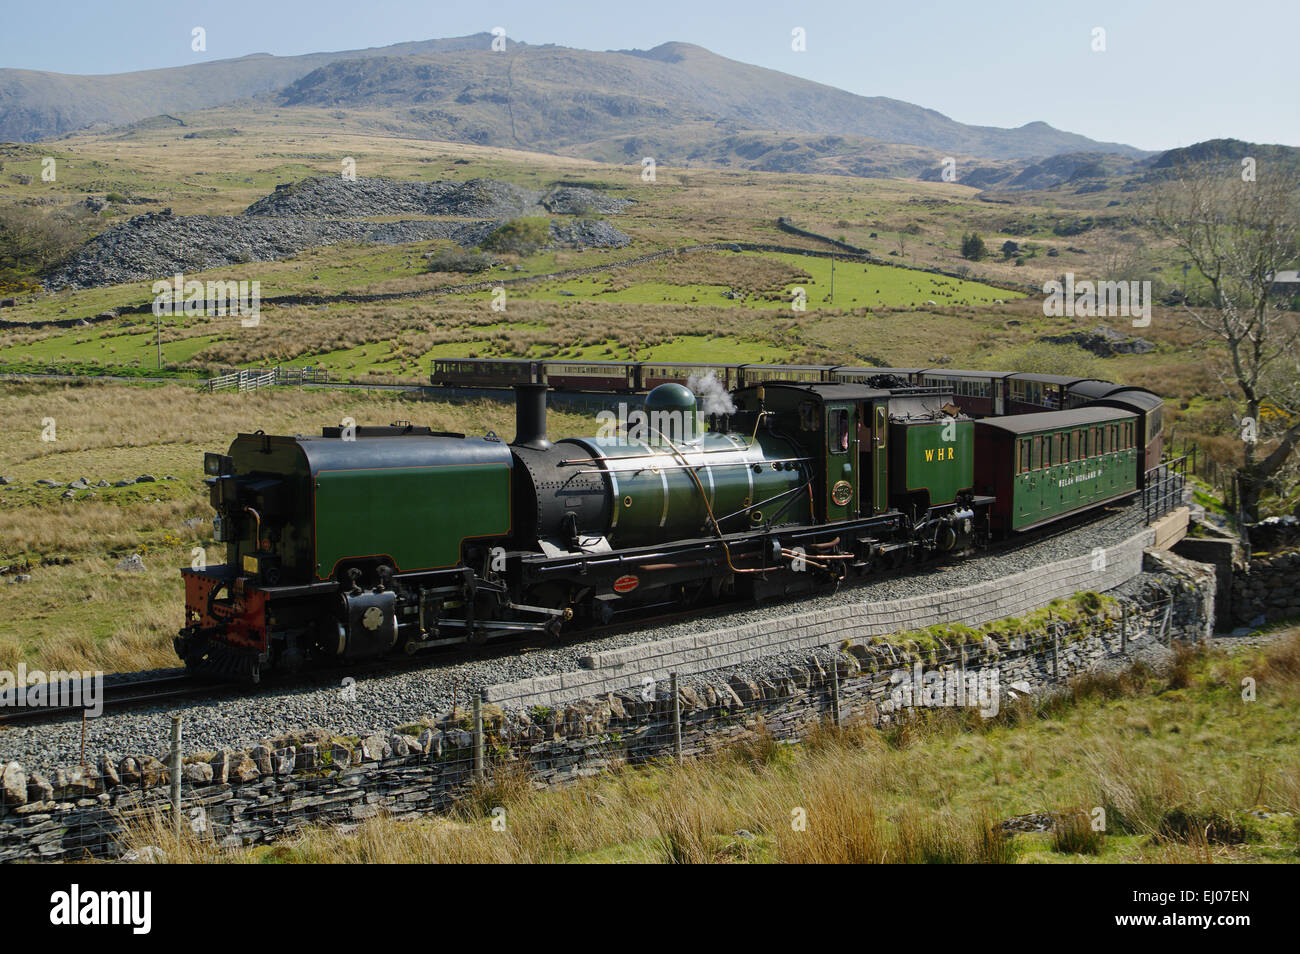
column 1013, row 595
column 1268, row 589
column 255, row 796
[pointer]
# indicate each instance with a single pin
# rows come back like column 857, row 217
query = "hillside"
column 545, row 98
column 35, row 104
column 558, row 99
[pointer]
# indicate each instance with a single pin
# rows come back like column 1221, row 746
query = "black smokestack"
column 530, row 416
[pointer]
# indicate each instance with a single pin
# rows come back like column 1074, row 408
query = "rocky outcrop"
column 333, row 197
column 325, row 211
column 1104, row 342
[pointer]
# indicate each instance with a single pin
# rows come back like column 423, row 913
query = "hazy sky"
column 1172, row 73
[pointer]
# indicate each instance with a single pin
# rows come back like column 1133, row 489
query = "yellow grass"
column 1204, row 778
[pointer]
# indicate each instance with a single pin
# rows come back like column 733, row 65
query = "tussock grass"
column 79, row 611
column 848, row 796
column 1073, row 834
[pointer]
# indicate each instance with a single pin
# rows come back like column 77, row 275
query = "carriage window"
column 1048, row 444
column 838, row 430
column 1038, row 453
column 1024, row 456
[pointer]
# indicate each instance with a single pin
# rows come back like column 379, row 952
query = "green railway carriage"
column 1042, row 467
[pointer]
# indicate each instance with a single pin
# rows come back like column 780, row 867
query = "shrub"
column 459, row 260
column 1073, row 834
column 972, row 247
column 523, row 236
column 32, row 240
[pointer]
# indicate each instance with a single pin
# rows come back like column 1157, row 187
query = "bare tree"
column 1236, row 234
column 1120, row 256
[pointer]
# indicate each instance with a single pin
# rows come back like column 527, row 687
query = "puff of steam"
column 711, row 395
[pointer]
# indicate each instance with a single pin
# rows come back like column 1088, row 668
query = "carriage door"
column 880, row 455
column 841, row 462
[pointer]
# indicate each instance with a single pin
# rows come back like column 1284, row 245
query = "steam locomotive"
column 367, row 541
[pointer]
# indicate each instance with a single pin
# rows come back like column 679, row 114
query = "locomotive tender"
column 373, row 540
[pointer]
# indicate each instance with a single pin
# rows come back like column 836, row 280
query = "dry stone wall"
column 1268, row 590
column 263, row 793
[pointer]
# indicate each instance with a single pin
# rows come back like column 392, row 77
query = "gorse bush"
column 459, row 260
column 522, row 236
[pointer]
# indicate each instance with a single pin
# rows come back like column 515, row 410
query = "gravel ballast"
column 378, row 703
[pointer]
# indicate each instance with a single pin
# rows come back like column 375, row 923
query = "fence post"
column 175, row 767
column 835, row 692
column 1056, row 654
column 677, row 716
column 961, row 691
column 1123, row 629
column 478, row 736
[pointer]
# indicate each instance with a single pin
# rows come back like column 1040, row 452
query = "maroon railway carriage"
column 617, row 376
column 654, row 373
column 1028, row 392
column 978, row 393
column 482, row 372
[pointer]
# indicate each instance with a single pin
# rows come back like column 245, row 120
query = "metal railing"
column 1164, row 488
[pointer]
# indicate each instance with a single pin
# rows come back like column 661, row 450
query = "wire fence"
column 259, row 794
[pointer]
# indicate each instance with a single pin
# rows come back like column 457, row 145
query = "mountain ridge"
column 557, row 97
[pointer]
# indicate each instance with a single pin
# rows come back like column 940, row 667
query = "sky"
column 1170, row 73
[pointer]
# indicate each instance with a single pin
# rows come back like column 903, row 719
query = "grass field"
column 709, row 307
column 79, row 611
column 1180, row 767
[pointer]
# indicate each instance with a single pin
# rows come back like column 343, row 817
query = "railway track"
column 178, row 685
column 121, row 695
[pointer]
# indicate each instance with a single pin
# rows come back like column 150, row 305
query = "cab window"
column 838, row 430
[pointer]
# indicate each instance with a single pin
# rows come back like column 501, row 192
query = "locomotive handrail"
column 689, row 466
column 575, row 461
